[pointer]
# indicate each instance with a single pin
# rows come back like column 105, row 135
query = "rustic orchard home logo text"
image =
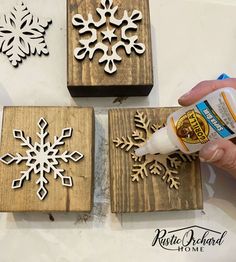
column 188, row 239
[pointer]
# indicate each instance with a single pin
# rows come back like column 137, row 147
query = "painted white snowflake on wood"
column 22, row 34
column 91, row 45
column 42, row 158
column 166, row 166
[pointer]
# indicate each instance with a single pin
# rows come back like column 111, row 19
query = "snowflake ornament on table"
column 22, row 34
column 92, row 45
column 42, row 158
column 166, row 166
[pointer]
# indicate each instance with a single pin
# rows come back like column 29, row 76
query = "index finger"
column 204, row 88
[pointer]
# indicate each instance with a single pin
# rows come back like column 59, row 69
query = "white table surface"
column 193, row 40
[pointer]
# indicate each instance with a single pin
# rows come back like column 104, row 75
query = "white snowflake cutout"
column 22, row 34
column 166, row 166
column 91, row 45
column 42, row 158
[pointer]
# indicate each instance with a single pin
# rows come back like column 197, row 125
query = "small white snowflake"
column 42, row 158
column 91, row 45
column 22, row 34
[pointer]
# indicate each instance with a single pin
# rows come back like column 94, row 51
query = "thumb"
column 221, row 153
column 204, row 88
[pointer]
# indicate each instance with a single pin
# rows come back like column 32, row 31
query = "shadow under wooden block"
column 155, row 172
column 78, row 139
column 134, row 75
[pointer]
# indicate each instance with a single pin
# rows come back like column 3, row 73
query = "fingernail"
column 185, row 95
column 211, row 154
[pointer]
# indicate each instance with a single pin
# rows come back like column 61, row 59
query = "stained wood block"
column 134, row 75
column 74, row 131
column 142, row 185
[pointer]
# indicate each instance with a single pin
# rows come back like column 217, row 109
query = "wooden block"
column 153, row 192
column 134, row 75
column 79, row 197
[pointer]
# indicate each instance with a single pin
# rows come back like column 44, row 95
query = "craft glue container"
column 189, row 128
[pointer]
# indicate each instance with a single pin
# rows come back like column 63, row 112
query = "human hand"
column 221, row 153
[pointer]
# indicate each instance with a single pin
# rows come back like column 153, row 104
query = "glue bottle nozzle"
column 159, row 143
column 141, row 151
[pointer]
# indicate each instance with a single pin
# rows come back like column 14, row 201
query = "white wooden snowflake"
column 91, row 45
column 22, row 34
column 42, row 158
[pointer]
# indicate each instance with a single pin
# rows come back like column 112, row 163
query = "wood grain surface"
column 151, row 193
column 135, row 73
column 59, row 198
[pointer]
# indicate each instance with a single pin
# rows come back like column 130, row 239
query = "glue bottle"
column 189, row 128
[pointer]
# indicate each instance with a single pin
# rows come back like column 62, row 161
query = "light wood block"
column 151, row 193
column 79, row 197
column 134, row 76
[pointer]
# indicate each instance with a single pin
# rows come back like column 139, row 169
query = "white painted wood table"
column 193, row 40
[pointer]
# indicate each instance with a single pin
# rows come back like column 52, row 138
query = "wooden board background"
column 150, row 194
column 88, row 78
column 59, row 198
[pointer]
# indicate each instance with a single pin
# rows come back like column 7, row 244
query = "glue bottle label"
column 209, row 119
